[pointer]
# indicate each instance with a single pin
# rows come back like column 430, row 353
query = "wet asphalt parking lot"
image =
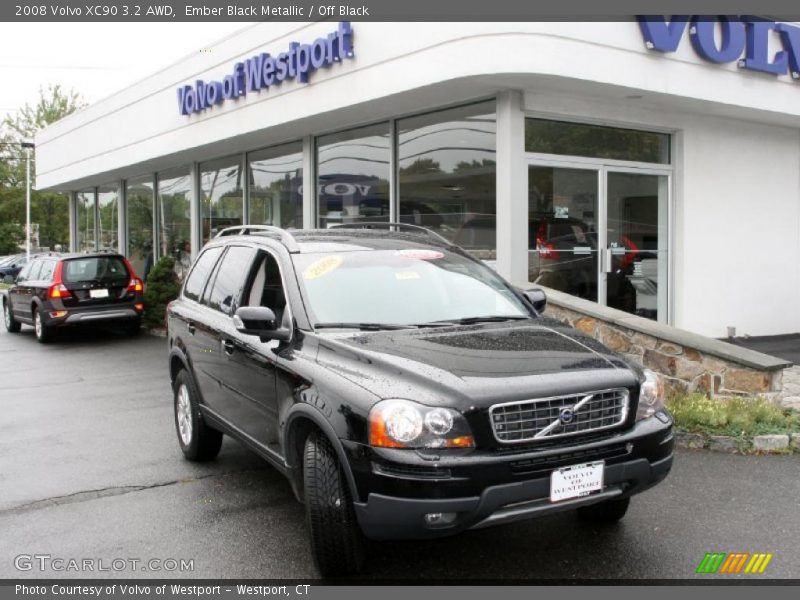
column 90, row 469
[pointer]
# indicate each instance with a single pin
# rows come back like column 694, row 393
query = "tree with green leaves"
column 50, row 210
column 162, row 287
column 11, row 236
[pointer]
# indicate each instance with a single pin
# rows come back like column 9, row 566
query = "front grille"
column 547, row 418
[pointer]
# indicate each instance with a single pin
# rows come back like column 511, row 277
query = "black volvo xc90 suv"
column 404, row 388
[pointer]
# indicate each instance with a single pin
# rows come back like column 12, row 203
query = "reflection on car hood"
column 477, row 364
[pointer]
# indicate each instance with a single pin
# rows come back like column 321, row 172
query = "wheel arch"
column 177, row 361
column 301, row 421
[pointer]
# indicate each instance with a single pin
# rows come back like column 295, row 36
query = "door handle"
column 606, row 260
column 228, row 346
column 190, row 326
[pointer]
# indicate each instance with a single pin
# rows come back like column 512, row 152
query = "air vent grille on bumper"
column 547, row 418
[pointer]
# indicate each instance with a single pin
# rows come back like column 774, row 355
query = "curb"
column 759, row 444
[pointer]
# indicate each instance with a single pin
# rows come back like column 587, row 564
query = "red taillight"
column 546, row 249
column 135, row 284
column 58, row 289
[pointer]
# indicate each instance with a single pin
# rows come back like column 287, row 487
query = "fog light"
column 439, row 519
column 57, row 314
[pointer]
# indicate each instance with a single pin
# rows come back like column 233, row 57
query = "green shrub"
column 162, row 287
column 738, row 417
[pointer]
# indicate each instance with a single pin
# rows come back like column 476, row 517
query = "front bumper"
column 471, row 504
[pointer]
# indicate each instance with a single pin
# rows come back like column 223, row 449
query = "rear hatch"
column 96, row 281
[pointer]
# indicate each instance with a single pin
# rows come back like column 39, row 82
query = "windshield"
column 403, row 287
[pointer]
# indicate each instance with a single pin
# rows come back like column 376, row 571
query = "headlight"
column 651, row 396
column 406, row 424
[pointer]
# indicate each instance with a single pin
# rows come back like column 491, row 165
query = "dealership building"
column 651, row 166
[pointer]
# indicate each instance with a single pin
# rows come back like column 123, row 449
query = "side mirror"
column 9, row 279
column 260, row 321
column 537, row 297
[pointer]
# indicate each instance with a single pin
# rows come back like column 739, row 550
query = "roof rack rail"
column 282, row 235
column 398, row 226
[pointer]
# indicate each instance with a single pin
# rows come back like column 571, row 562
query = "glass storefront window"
column 85, row 221
column 637, row 242
column 447, row 175
column 276, row 181
column 221, row 195
column 139, row 218
column 50, row 211
column 562, row 229
column 353, row 175
column 108, row 217
column 596, row 141
column 174, row 221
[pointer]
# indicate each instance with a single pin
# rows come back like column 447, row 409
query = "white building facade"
column 590, row 157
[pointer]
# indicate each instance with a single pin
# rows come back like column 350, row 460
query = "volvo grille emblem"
column 566, row 415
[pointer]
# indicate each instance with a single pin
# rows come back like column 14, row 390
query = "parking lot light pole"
column 28, row 147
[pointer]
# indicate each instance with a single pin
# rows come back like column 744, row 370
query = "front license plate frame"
column 577, row 481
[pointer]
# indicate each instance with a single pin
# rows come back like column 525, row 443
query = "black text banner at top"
column 380, row 10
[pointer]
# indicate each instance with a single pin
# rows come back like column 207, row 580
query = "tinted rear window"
column 95, row 268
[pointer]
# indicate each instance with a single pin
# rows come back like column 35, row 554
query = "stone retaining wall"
column 684, row 368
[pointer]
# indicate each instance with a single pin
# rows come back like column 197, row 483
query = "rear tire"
column 43, row 333
column 198, row 441
column 609, row 511
column 12, row 325
column 337, row 543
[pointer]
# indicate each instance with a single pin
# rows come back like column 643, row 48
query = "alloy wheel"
column 184, row 415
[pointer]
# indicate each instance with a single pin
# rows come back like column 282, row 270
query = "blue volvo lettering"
column 745, row 40
column 264, row 70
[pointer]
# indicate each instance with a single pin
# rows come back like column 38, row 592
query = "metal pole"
column 28, row 146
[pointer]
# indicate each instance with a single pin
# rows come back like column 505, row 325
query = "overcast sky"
column 96, row 59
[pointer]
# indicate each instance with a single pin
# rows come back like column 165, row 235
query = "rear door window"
column 33, row 272
column 95, row 269
column 200, row 272
column 46, row 274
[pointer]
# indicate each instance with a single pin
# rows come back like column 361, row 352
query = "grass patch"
column 737, row 417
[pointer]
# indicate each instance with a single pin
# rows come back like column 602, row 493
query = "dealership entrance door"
column 600, row 231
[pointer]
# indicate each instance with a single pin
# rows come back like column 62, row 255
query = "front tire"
column 12, row 325
column 337, row 543
column 609, row 511
column 43, row 333
column 198, row 441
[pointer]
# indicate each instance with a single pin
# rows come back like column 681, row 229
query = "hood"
column 473, row 366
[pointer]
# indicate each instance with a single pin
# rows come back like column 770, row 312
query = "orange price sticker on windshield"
column 322, row 267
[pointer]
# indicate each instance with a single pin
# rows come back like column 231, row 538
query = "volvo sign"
column 265, row 70
column 752, row 42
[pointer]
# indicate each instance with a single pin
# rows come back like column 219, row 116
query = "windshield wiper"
column 363, row 326
column 484, row 319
